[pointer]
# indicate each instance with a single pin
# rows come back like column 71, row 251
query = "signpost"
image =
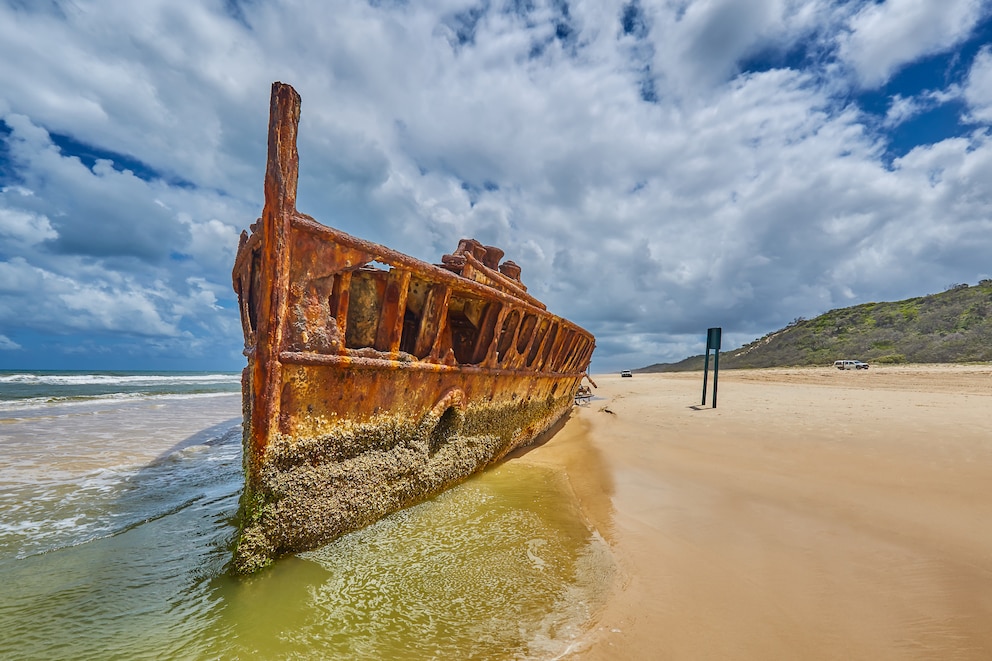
column 712, row 342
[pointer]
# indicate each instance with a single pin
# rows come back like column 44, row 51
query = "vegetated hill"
column 951, row 327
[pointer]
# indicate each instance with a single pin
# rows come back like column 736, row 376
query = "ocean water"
column 118, row 498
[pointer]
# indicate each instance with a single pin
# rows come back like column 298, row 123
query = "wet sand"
column 814, row 514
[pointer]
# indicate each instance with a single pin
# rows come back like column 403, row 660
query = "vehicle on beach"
column 850, row 365
column 625, row 373
column 375, row 380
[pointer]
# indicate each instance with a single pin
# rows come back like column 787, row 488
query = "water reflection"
column 500, row 567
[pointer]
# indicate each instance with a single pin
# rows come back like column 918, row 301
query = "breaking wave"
column 33, row 389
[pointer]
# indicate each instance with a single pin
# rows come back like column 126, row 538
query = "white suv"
column 850, row 365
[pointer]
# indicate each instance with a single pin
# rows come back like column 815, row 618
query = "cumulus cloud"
column 655, row 169
column 884, row 36
column 699, row 44
column 95, row 248
column 904, row 108
column 43, row 300
column 978, row 87
column 25, row 226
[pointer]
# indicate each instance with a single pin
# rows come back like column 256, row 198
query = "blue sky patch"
column 89, row 155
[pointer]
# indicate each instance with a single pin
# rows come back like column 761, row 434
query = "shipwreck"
column 375, row 380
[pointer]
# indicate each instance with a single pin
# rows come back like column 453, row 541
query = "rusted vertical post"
column 281, row 176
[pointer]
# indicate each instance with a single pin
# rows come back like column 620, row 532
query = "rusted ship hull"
column 375, row 380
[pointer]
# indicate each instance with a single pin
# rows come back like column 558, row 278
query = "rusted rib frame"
column 242, row 275
column 432, row 321
column 395, row 259
column 506, row 357
column 391, row 257
column 544, row 354
column 509, row 359
column 568, row 351
column 341, row 298
column 587, row 355
column 390, row 331
column 239, row 277
column 491, row 357
column 577, row 353
column 561, row 345
column 331, row 360
column 530, row 342
column 520, row 359
column 517, row 358
column 244, row 252
column 551, row 362
column 529, row 362
column 241, row 287
column 487, row 332
column 573, row 351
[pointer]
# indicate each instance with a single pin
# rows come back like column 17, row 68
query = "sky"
column 655, row 168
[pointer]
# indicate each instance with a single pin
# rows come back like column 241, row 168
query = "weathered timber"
column 375, row 380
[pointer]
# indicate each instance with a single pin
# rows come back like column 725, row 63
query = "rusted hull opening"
column 310, row 490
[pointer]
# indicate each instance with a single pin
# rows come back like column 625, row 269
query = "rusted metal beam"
column 281, row 176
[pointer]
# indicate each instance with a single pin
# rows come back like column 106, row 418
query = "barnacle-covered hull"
column 375, row 380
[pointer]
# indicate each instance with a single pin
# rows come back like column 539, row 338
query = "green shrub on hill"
column 954, row 326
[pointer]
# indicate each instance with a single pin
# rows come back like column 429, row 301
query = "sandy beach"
column 814, row 514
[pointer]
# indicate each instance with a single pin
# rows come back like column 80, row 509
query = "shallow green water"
column 131, row 562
